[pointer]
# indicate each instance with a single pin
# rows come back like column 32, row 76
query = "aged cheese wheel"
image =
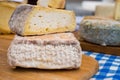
column 100, row 31
column 36, row 20
column 52, row 51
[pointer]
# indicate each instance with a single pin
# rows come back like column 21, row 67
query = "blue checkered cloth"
column 109, row 66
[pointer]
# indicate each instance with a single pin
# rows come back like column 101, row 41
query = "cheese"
column 6, row 10
column 105, row 11
column 117, row 10
column 100, row 31
column 36, row 20
column 53, row 51
column 52, row 3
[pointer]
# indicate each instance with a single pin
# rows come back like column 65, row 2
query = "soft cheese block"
column 59, row 4
column 105, row 11
column 36, row 20
column 52, row 51
column 100, row 31
column 6, row 10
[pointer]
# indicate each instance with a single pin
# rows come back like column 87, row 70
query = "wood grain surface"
column 88, row 68
column 87, row 46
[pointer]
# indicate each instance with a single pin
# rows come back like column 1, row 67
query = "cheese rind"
column 36, row 20
column 59, row 4
column 18, row 18
column 100, row 31
column 53, row 51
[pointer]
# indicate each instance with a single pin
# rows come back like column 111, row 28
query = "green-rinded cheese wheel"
column 100, row 31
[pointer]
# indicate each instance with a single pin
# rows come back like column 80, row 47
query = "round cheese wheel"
column 100, row 31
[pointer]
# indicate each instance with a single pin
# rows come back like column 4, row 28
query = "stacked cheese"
column 36, row 20
column 8, row 7
column 44, row 39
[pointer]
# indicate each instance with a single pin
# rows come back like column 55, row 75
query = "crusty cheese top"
column 99, row 22
column 58, row 38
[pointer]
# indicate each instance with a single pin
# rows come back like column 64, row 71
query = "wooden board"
column 5, row 41
column 88, row 68
column 87, row 46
